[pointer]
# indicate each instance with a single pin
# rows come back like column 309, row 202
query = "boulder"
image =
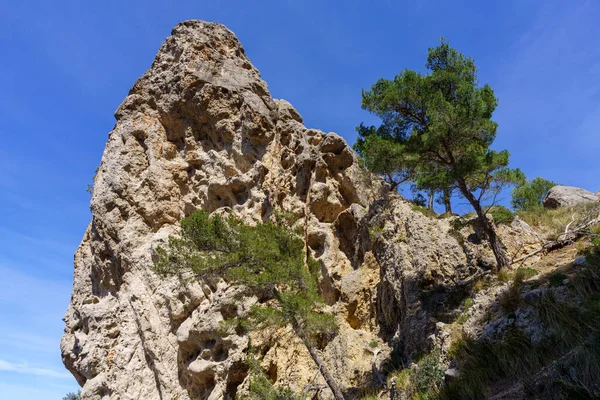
column 450, row 375
column 561, row 196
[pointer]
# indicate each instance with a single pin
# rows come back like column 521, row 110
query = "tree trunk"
column 431, row 196
column 337, row 393
column 497, row 246
column 446, row 198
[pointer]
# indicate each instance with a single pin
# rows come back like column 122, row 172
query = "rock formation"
column 560, row 196
column 200, row 130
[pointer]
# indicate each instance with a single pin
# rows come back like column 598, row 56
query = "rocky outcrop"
column 200, row 130
column 561, row 196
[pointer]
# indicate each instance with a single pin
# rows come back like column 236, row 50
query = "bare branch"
column 569, row 236
column 569, row 224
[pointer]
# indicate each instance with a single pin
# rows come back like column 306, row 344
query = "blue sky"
column 66, row 66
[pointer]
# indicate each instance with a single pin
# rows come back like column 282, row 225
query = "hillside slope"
column 199, row 130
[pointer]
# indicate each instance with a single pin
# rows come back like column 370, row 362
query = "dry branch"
column 565, row 238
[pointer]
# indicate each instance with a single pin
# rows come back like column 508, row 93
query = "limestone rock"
column 200, row 130
column 560, row 196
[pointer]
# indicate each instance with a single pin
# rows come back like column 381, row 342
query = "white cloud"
column 28, row 370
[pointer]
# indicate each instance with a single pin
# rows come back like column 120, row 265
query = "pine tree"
column 441, row 124
column 269, row 261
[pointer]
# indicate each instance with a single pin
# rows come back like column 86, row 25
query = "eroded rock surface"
column 561, row 196
column 200, row 130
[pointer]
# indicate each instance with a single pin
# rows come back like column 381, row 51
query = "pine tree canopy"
column 436, row 128
column 436, row 131
column 267, row 259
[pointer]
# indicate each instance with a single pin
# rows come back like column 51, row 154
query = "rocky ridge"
column 200, row 130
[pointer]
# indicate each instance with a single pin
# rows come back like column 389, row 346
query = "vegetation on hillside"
column 569, row 355
column 269, row 260
column 72, row 396
column 530, row 195
column 436, row 132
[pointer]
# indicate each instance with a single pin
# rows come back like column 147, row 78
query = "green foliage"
column 520, row 274
column 384, row 155
column 267, row 259
column 556, row 279
column 572, row 345
column 419, row 200
column 501, row 214
column 530, row 195
column 437, row 131
column 428, row 212
column 527, row 272
column 429, row 374
column 439, row 125
column 375, row 231
column 424, row 381
column 462, row 318
column 482, row 362
column 90, row 186
column 72, row 396
column 261, row 388
column 467, row 303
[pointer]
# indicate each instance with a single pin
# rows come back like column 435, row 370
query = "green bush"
column 428, row 212
column 268, row 260
column 467, row 303
column 261, row 388
column 529, row 196
column 501, row 214
column 556, row 279
column 526, row 272
column 424, row 381
column 72, row 396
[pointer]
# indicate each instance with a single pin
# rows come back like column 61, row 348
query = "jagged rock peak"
column 200, row 130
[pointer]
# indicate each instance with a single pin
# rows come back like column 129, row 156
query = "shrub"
column 523, row 273
column 73, row 396
column 572, row 345
column 261, row 388
column 419, row 200
column 428, row 212
column 501, row 214
column 531, row 195
column 468, row 303
column 556, row 279
column 424, row 381
column 462, row 318
column 375, row 232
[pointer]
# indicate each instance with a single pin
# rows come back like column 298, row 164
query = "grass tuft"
column 572, row 345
